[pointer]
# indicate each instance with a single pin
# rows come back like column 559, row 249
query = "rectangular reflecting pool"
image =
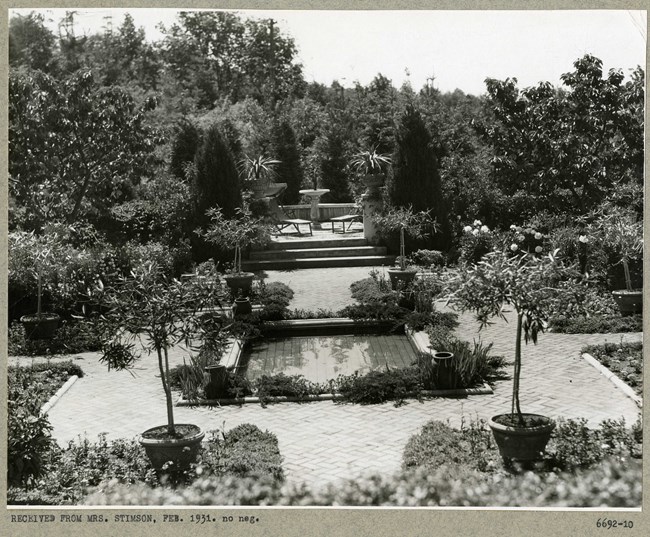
column 321, row 358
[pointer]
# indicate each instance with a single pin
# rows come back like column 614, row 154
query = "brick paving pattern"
column 326, row 441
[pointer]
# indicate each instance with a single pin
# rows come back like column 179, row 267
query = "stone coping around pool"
column 232, row 356
column 613, row 378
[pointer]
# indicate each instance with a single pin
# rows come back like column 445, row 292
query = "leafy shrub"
column 428, row 258
column 437, row 444
column 268, row 386
column 368, row 291
column 275, row 298
column 573, row 445
column 245, row 451
column 379, row 386
column 29, row 441
column 71, row 337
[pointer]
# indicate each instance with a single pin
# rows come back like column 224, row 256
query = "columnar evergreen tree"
column 334, row 155
column 289, row 170
column 416, row 180
column 215, row 179
column 184, row 147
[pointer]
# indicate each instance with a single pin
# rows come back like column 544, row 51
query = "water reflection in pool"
column 319, row 358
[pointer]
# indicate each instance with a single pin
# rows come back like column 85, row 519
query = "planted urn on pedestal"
column 409, row 223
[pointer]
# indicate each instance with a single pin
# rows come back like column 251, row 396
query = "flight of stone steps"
column 317, row 253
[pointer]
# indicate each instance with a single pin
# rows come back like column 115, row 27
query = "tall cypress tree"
column 216, row 182
column 416, row 178
column 184, row 147
column 289, row 170
column 333, row 165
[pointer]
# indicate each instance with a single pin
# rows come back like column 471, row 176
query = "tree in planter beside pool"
column 407, row 222
column 534, row 286
column 238, row 233
column 151, row 310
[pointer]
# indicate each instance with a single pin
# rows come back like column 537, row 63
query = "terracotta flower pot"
column 526, row 443
column 446, row 377
column 42, row 326
column 374, row 180
column 399, row 279
column 242, row 281
column 242, row 306
column 216, row 388
column 176, row 454
column 629, row 302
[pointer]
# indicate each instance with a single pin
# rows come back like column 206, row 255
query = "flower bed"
column 69, row 475
column 625, row 360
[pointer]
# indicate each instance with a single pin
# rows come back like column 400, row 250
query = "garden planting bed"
column 233, row 358
column 621, row 363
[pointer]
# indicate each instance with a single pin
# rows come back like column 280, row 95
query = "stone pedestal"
column 314, row 195
column 372, row 204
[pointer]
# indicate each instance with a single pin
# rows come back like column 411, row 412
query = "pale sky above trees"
column 459, row 48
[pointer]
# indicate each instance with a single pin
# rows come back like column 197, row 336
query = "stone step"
column 302, row 253
column 319, row 262
column 294, row 244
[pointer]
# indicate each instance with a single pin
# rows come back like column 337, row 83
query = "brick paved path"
column 326, row 441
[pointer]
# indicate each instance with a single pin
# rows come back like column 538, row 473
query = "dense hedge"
column 611, row 484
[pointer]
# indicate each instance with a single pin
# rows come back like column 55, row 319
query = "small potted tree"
column 238, row 233
column 409, row 223
column 372, row 165
column 258, row 173
column 622, row 233
column 534, row 287
column 40, row 325
column 150, row 311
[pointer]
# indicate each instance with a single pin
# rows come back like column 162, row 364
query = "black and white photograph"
column 353, row 262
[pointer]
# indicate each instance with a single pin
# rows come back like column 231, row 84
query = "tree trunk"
column 164, row 376
column 515, row 383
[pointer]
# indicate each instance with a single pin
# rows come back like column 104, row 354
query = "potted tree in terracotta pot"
column 622, row 233
column 42, row 324
column 238, row 233
column 372, row 165
column 151, row 312
column 258, row 173
column 534, row 287
column 409, row 223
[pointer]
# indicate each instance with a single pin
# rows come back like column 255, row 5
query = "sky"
column 459, row 49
